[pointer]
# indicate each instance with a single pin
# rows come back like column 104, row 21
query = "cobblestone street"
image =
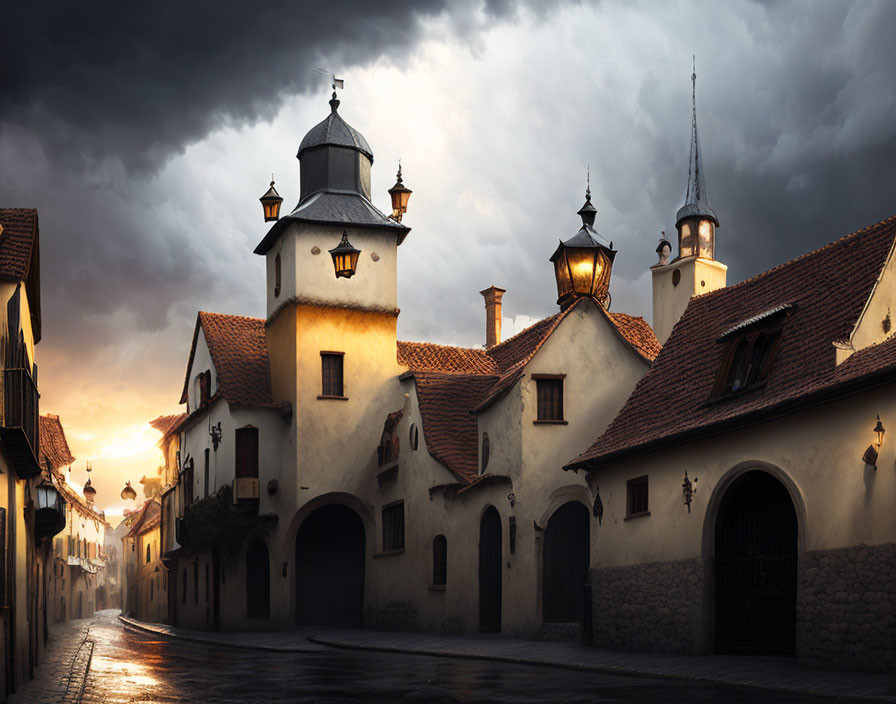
column 98, row 660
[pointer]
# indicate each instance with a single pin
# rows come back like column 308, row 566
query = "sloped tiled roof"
column 150, row 517
column 239, row 352
column 167, row 424
column 454, row 383
column 53, row 445
column 425, row 356
column 638, row 333
column 16, row 242
column 825, row 291
column 449, row 428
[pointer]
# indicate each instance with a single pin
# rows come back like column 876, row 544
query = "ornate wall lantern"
column 871, row 454
column 271, row 201
column 345, row 258
column 689, row 490
column 128, row 493
column 216, row 434
column 47, row 496
column 400, row 195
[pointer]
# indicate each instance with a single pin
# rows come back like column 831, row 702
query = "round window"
column 415, row 436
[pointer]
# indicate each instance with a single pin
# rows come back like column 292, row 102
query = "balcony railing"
column 19, row 425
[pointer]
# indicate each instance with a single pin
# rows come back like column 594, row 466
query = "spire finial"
column 588, row 181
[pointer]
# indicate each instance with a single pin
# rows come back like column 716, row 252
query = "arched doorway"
column 490, row 571
column 755, row 567
column 330, row 548
column 566, row 559
column 258, row 580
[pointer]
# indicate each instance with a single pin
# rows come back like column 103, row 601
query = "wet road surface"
column 131, row 666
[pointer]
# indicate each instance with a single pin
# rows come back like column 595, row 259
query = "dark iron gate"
column 258, row 581
column 566, row 559
column 490, row 571
column 755, row 568
column 330, row 549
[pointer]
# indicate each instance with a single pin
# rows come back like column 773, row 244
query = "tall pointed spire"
column 695, row 201
column 696, row 188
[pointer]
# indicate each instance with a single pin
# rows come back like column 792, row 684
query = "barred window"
column 550, row 397
column 331, row 374
column 636, row 493
column 393, row 526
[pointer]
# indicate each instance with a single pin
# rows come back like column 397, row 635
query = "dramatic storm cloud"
column 145, row 136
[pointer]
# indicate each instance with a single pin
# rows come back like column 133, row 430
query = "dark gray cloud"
column 120, row 122
column 142, row 80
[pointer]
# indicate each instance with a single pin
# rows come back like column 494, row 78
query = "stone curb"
column 600, row 669
column 147, row 628
column 539, row 662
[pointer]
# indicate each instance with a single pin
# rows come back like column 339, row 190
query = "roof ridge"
column 439, row 344
column 230, row 315
column 839, row 241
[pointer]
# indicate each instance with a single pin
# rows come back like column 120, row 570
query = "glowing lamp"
column 879, row 431
column 128, row 493
column 400, row 195
column 582, row 269
column 271, row 201
column 345, row 258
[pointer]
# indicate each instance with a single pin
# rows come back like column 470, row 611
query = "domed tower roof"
column 335, row 132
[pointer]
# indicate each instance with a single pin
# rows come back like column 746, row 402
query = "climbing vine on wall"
column 215, row 524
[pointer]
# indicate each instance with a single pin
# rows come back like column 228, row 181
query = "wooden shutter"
column 247, row 452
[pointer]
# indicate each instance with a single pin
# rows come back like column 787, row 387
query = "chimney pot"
column 492, row 296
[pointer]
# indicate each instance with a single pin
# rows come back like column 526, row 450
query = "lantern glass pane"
column 564, row 286
column 685, row 241
column 706, row 239
column 405, row 197
column 582, row 267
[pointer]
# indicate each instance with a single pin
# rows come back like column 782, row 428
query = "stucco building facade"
column 360, row 473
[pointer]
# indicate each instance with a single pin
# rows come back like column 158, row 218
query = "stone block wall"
column 846, row 608
column 654, row 607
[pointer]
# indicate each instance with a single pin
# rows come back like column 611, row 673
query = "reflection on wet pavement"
column 130, row 666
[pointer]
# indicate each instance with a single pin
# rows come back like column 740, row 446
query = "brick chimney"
column 492, row 296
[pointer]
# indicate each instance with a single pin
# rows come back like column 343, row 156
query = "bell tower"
column 695, row 270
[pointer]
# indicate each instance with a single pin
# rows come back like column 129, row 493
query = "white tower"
column 695, row 269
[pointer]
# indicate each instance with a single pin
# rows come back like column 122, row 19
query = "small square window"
column 331, row 374
column 550, row 398
column 636, row 497
column 393, row 527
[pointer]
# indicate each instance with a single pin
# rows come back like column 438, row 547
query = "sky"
column 144, row 135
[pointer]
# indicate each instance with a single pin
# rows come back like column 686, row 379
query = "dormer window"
column 750, row 354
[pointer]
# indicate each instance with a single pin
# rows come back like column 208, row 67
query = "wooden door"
column 755, row 568
column 330, row 551
column 490, row 572
column 566, row 559
column 258, row 581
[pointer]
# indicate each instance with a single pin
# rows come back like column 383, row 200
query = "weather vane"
column 337, row 82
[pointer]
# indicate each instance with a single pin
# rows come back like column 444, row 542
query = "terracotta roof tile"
column 150, row 517
column 53, row 445
column 827, row 290
column 239, row 351
column 425, row 356
column 16, row 242
column 168, row 424
column 638, row 333
column 449, row 428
